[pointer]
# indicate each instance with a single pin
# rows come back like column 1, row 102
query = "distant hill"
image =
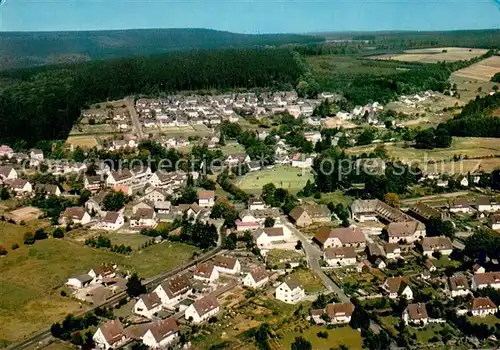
column 27, row 49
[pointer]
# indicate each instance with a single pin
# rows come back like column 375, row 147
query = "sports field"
column 82, row 141
column 287, row 177
column 433, row 55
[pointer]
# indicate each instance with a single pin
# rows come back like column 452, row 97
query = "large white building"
column 290, row 292
column 341, row 256
column 202, row 309
column 256, row 278
column 337, row 314
column 226, row 264
column 148, row 305
column 173, row 290
column 161, row 334
column 484, row 280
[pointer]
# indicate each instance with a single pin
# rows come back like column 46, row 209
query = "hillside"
column 26, row 49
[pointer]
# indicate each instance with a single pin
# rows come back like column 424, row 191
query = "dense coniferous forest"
column 25, row 49
column 46, row 101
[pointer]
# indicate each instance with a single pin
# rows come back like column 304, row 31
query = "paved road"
column 313, row 254
column 43, row 337
column 135, row 118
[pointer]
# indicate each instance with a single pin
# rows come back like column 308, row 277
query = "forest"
column 43, row 97
column 476, row 118
column 25, row 49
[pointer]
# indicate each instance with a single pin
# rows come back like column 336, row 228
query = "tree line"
column 46, row 96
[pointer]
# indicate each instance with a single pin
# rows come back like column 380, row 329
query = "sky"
column 250, row 16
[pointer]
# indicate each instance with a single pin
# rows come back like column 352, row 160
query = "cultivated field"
column 32, row 275
column 287, row 177
column 465, row 146
column 433, row 55
column 482, row 71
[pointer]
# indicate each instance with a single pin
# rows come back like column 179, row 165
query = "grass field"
column 465, row 146
column 135, row 240
column 31, row 276
column 287, row 177
column 434, row 55
column 310, row 282
column 336, row 337
column 468, row 88
column 231, row 148
column 331, row 64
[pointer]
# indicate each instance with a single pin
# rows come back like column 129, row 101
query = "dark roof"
column 176, row 286
column 205, row 305
column 151, row 300
column 112, row 331
column 345, row 234
column 225, row 261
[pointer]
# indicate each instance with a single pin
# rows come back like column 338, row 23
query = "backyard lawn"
column 287, row 177
column 311, row 283
column 336, row 337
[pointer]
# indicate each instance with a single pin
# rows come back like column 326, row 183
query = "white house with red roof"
column 202, row 309
column 206, row 198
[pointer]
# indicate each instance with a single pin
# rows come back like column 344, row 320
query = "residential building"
column 303, row 161
column 494, row 221
column 48, row 189
column 340, row 237
column 202, row 309
column 483, row 307
column 112, row 221
column 148, row 305
column 392, row 250
column 458, row 286
column 290, row 292
column 256, row 278
column 155, row 195
column 6, row 151
column 366, row 210
column 122, row 177
column 487, row 279
column 439, row 244
column 103, row 273
column 264, row 238
column 74, row 215
column 305, row 215
column 341, row 256
column 19, row 186
column 206, row 199
column 173, row 290
column 206, row 272
column 486, row 204
column 415, row 314
column 226, row 264
column 161, row 334
column 110, row 334
column 79, row 282
column 409, row 231
column 143, row 218
column 337, row 314
column 425, row 213
column 460, row 205
column 257, row 204
column 397, row 287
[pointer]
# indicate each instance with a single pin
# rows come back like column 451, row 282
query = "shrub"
column 15, row 246
column 3, row 251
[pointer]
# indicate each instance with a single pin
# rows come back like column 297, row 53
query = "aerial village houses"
column 79, row 282
column 482, row 307
column 256, row 278
column 494, row 221
column 485, row 204
column 290, row 292
column 20, row 187
column 340, row 237
column 265, row 238
column 225, row 264
column 103, row 273
column 484, row 280
column 439, row 244
column 416, row 314
column 460, row 205
column 206, row 199
column 75, row 215
column 408, row 231
column 397, row 287
column 459, row 286
column 119, row 178
column 340, row 256
column 305, row 215
column 148, row 305
column 202, row 309
column 143, row 218
column 7, row 172
column 110, row 334
column 161, row 334
column 174, row 290
column 206, row 272
column 48, row 189
column 337, row 314
column 112, row 221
